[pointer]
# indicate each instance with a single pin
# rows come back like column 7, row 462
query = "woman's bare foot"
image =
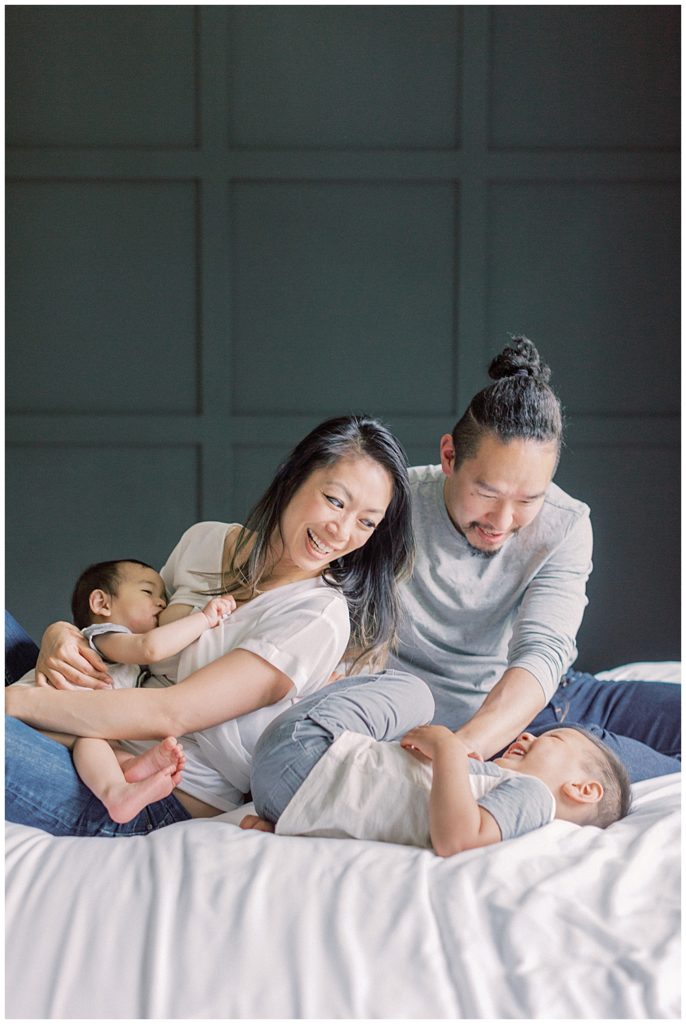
column 125, row 800
column 252, row 821
column 166, row 754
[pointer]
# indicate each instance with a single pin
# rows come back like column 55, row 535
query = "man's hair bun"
column 519, row 359
column 518, row 403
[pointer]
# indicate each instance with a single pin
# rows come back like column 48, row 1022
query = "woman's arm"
column 456, row 822
column 233, row 685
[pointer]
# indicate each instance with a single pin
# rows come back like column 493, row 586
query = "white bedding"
column 202, row 920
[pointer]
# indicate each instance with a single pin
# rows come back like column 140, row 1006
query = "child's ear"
column 100, row 603
column 587, row 792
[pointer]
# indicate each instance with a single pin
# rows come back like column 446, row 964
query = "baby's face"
column 555, row 757
column 140, row 598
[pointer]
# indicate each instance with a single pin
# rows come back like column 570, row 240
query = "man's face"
column 492, row 496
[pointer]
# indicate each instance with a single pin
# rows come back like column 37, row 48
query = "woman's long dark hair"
column 367, row 577
column 519, row 404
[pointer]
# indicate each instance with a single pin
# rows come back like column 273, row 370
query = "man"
column 499, row 585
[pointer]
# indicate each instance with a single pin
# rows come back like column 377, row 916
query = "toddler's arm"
column 164, row 641
column 456, row 821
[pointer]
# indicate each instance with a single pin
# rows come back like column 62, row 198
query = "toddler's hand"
column 218, row 608
column 423, row 742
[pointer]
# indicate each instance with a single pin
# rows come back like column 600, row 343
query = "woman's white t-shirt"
column 301, row 628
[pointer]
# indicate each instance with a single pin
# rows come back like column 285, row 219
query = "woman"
column 314, row 573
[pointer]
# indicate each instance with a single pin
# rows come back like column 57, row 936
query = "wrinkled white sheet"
column 202, row 920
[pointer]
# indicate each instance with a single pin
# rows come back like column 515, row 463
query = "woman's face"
column 335, row 511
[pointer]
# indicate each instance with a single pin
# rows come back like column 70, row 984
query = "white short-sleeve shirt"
column 301, row 628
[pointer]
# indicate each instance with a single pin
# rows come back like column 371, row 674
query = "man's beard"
column 480, row 552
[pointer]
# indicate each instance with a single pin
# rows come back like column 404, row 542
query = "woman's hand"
column 67, row 662
column 218, row 609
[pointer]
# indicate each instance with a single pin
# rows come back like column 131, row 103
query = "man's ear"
column 587, row 792
column 100, row 603
column 447, row 454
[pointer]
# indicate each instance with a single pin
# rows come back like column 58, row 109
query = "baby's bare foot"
column 253, row 821
column 125, row 801
column 167, row 754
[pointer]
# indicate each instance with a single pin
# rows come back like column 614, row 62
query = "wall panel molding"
column 281, row 285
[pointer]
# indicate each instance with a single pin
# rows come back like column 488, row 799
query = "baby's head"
column 126, row 592
column 590, row 784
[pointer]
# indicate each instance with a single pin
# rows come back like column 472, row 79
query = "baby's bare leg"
column 98, row 767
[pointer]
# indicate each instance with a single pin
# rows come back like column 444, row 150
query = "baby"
column 311, row 777
column 116, row 605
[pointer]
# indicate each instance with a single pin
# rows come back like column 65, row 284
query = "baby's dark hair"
column 99, row 576
column 616, row 800
column 519, row 404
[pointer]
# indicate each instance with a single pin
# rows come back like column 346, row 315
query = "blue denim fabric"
column 639, row 721
column 21, row 653
column 384, row 707
column 42, row 787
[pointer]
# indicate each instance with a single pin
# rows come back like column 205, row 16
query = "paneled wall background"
column 224, row 224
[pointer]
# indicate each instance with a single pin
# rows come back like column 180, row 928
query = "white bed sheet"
column 202, row 920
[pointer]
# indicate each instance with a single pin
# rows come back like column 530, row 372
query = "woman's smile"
column 317, row 544
column 334, row 512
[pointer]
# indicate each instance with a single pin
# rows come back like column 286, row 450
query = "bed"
column 203, row 920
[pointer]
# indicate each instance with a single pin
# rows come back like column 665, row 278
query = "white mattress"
column 202, row 920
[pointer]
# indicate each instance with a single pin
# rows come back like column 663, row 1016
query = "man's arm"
column 542, row 646
column 512, row 703
column 456, row 822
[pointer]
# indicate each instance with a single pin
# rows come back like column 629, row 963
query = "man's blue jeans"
column 639, row 721
column 42, row 787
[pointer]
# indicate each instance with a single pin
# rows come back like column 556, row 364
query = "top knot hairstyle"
column 519, row 404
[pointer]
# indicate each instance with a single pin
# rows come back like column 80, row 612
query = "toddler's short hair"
column 616, row 800
column 99, row 576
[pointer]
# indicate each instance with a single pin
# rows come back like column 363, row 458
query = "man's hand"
column 67, row 662
column 218, row 609
column 507, row 710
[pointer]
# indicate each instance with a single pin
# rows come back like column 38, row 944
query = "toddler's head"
column 590, row 784
column 125, row 592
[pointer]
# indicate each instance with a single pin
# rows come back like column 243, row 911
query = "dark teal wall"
column 226, row 223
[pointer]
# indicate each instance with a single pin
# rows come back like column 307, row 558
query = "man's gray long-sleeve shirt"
column 468, row 618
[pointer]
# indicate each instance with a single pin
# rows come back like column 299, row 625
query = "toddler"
column 326, row 768
column 116, row 605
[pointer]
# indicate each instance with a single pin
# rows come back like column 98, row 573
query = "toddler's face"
column 140, row 598
column 555, row 757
